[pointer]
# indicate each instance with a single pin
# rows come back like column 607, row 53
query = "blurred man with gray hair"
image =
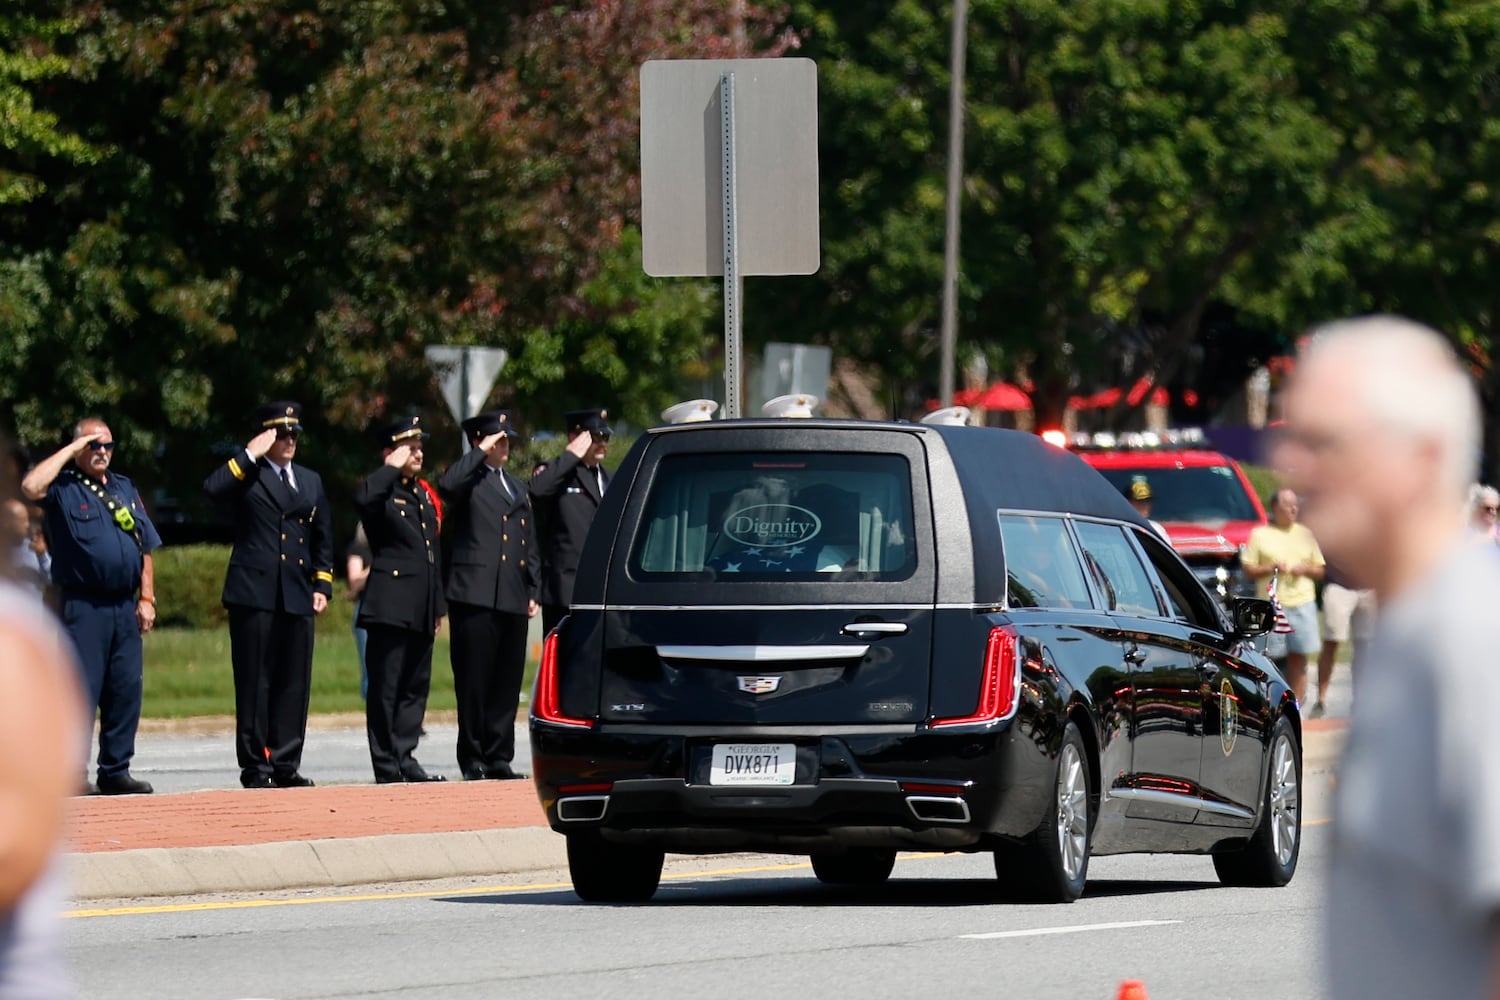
column 1381, row 437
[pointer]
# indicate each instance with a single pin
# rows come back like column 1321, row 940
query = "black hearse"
column 844, row 639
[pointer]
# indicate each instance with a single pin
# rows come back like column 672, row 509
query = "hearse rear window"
column 789, row 515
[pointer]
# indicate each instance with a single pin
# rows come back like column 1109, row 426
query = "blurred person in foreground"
column 40, row 737
column 1286, row 552
column 1381, row 438
column 1484, row 511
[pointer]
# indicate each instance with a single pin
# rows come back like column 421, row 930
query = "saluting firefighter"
column 101, row 542
column 566, row 494
column 492, row 583
column 280, row 575
column 403, row 601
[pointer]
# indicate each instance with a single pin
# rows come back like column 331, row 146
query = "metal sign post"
column 733, row 286
column 731, row 190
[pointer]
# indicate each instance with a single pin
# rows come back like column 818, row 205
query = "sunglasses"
column 600, row 437
column 288, row 435
column 101, row 446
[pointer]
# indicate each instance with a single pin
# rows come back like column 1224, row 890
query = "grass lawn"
column 188, row 673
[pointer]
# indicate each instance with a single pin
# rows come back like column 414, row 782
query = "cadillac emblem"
column 759, row 685
column 1229, row 716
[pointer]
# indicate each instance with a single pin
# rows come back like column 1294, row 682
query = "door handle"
column 862, row 629
column 1136, row 655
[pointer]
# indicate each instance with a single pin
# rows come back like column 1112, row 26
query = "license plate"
column 753, row 764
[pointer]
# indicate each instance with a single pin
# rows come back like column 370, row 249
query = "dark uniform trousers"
column 566, row 494
column 491, row 579
column 108, row 638
column 403, row 603
column 282, row 556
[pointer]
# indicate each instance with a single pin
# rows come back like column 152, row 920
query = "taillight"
column 546, row 701
column 999, row 689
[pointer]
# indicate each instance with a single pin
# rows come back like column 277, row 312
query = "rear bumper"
column 962, row 790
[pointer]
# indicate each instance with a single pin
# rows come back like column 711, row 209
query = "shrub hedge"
column 190, row 580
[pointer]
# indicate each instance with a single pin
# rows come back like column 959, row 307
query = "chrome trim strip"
column 1183, row 801
column 875, row 628
column 762, row 654
column 947, row 800
column 988, row 606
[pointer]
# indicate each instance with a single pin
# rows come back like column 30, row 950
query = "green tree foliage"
column 1130, row 163
column 300, row 196
column 28, row 133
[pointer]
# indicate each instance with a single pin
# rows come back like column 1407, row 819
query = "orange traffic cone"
column 1132, row 989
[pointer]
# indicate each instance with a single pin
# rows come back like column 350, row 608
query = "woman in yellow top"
column 1287, row 550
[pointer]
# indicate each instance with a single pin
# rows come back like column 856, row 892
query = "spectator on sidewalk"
column 1381, row 435
column 403, row 604
column 357, row 571
column 1348, row 617
column 280, row 576
column 1287, row 550
column 29, row 559
column 492, row 580
column 40, row 737
column 1484, row 510
column 102, row 542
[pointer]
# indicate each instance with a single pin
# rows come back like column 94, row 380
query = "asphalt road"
column 747, row 926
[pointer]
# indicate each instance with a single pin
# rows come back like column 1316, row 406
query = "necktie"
column 599, row 475
column 504, row 485
column 286, row 480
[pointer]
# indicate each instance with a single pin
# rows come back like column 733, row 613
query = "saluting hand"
column 261, row 443
column 399, row 456
column 581, row 445
column 81, row 443
column 488, row 444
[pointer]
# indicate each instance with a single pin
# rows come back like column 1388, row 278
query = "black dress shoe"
column 475, row 774
column 122, row 784
column 504, row 772
column 293, row 779
column 388, row 779
column 255, row 779
column 420, row 775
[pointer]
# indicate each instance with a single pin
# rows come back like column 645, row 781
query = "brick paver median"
column 262, row 816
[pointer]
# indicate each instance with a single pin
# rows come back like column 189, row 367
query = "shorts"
column 1342, row 608
column 1304, row 637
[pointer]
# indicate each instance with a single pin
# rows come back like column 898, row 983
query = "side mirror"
column 1252, row 616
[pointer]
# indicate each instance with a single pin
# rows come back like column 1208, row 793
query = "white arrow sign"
column 468, row 374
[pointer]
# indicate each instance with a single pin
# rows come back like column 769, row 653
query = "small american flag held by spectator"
column 1283, row 627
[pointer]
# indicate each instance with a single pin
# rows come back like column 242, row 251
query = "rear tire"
column 1052, row 864
column 856, row 866
column 612, row 873
column 1270, row 858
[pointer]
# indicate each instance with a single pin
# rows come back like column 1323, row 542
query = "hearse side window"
column 1123, row 575
column 783, row 515
column 1185, row 596
column 1040, row 564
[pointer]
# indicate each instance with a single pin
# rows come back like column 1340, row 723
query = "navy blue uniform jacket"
column 566, row 494
column 90, row 552
column 492, row 543
column 283, row 541
column 405, row 587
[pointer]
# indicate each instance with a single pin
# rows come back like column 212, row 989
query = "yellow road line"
column 251, row 904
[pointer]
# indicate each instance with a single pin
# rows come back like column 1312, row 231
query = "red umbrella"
column 1000, row 396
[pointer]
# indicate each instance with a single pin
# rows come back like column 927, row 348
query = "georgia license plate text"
column 753, row 764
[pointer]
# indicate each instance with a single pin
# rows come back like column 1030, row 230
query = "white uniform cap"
column 690, row 412
column 948, row 416
column 798, row 404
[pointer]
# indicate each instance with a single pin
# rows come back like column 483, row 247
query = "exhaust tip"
column 938, row 809
column 582, row 808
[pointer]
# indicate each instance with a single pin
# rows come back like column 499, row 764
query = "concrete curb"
column 407, row 857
